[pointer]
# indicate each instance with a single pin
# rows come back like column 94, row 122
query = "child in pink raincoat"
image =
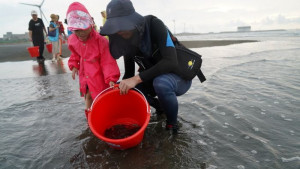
column 90, row 56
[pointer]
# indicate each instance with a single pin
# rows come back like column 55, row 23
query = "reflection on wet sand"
column 11, row 70
column 40, row 69
column 58, row 66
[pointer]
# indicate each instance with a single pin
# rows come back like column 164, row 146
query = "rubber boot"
column 86, row 113
column 173, row 128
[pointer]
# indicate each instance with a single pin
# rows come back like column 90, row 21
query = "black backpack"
column 51, row 33
column 189, row 62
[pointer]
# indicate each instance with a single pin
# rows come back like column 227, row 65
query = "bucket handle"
column 116, row 86
column 147, row 105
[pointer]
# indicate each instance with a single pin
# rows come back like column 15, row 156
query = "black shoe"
column 172, row 128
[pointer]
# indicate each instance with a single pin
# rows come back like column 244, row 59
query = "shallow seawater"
column 246, row 115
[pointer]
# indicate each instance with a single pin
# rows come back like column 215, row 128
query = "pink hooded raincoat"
column 93, row 60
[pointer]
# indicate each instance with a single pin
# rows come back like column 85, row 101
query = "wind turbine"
column 40, row 8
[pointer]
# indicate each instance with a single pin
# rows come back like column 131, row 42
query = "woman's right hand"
column 74, row 72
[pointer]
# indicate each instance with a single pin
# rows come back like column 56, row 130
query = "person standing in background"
column 62, row 35
column 94, row 25
column 103, row 14
column 36, row 34
column 54, row 26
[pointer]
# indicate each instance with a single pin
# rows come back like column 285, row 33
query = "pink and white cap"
column 78, row 17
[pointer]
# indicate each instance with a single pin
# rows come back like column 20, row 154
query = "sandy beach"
column 18, row 52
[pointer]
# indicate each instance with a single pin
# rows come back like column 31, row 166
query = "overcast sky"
column 199, row 16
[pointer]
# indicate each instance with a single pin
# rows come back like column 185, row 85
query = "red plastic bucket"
column 110, row 108
column 49, row 47
column 34, row 51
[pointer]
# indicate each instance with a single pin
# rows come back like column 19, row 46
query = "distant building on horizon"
column 11, row 36
column 244, row 28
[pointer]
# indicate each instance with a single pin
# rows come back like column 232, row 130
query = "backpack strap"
column 201, row 76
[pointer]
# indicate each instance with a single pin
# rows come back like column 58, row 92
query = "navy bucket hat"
column 121, row 16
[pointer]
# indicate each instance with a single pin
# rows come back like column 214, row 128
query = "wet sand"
column 18, row 52
column 243, row 116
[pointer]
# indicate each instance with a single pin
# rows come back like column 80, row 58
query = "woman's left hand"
column 130, row 83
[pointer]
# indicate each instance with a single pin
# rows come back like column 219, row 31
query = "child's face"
column 83, row 35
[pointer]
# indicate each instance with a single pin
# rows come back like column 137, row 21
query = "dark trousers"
column 40, row 43
column 167, row 87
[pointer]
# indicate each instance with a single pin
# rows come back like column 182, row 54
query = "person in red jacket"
column 90, row 56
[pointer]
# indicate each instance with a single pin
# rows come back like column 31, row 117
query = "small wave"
column 263, row 53
column 201, row 142
column 240, row 167
column 212, row 167
column 286, row 160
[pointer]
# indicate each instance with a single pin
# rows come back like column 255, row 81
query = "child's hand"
column 74, row 71
column 111, row 84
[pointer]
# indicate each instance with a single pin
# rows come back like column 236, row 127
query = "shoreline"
column 213, row 43
column 18, row 52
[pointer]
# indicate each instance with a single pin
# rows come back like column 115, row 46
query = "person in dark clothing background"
column 137, row 39
column 36, row 34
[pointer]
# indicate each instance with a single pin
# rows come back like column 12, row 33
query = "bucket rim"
column 117, row 86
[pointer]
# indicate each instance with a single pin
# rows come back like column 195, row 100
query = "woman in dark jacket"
column 147, row 42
